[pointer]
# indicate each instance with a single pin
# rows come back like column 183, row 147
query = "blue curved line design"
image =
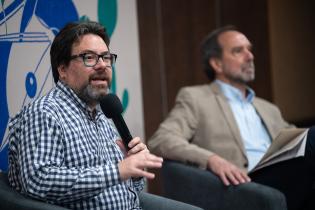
column 65, row 9
column 25, row 37
column 4, row 112
column 15, row 5
column 7, row 16
column 31, row 84
column 46, row 77
column 41, row 58
column 52, row 15
column 28, row 12
column 38, row 63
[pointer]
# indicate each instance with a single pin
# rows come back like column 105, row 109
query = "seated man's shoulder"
column 33, row 111
column 44, row 104
column 196, row 91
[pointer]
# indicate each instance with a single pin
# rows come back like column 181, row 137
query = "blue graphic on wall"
column 27, row 28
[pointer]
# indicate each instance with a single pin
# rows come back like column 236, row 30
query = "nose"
column 249, row 55
column 102, row 63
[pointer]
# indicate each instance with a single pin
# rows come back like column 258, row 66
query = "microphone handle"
column 122, row 130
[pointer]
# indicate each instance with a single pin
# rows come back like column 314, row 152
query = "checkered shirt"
column 63, row 153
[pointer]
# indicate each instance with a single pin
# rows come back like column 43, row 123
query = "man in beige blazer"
column 205, row 128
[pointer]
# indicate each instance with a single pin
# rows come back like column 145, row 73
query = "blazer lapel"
column 228, row 114
column 262, row 116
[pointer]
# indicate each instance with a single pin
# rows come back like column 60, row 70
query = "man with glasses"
column 63, row 150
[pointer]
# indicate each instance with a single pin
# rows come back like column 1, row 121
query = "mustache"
column 249, row 65
column 99, row 76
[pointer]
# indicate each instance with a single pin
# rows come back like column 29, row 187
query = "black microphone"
column 112, row 108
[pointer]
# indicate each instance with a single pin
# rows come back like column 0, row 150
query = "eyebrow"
column 91, row 51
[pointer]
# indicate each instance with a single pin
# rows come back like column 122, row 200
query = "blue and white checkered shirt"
column 63, row 153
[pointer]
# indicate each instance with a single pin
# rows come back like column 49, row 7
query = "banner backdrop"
column 27, row 29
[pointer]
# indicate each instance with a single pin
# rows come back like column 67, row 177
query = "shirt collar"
column 234, row 94
column 78, row 101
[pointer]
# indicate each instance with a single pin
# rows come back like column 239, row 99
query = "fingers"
column 241, row 176
column 228, row 173
column 224, row 179
column 138, row 148
column 146, row 174
column 134, row 142
column 234, row 176
column 152, row 161
column 135, row 165
column 137, row 160
column 136, row 145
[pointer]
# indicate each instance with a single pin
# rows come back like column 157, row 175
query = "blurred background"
column 282, row 33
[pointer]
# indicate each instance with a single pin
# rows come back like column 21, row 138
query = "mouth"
column 99, row 81
column 248, row 68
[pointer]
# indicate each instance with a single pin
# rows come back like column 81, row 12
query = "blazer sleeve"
column 172, row 139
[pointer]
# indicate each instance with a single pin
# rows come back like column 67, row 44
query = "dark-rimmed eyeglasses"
column 90, row 59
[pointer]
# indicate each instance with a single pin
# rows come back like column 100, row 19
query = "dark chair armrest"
column 204, row 189
column 12, row 200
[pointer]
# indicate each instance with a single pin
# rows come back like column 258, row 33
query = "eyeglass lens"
column 91, row 59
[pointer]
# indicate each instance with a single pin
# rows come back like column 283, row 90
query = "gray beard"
column 240, row 80
column 92, row 95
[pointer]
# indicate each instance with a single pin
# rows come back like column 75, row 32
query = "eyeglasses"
column 90, row 59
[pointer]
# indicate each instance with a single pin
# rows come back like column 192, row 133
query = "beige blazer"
column 202, row 123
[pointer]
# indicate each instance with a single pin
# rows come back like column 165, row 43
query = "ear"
column 216, row 64
column 62, row 72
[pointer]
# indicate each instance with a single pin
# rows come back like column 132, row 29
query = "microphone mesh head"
column 111, row 105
